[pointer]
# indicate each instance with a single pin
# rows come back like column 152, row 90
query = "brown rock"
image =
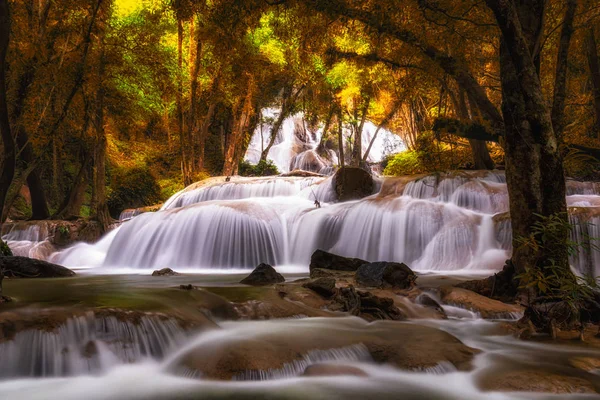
column 537, row 381
column 334, row 370
column 488, row 308
column 352, row 183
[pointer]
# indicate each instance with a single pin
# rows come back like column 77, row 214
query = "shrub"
column 263, row 168
column 5, row 251
column 132, row 188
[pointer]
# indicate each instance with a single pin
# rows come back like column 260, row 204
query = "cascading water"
column 87, row 344
column 449, row 222
column 29, row 239
column 295, row 146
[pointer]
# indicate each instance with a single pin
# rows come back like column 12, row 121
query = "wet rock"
column 334, row 370
column 537, row 381
column 366, row 305
column 486, row 307
column 426, row 300
column 266, row 346
column 324, row 260
column 385, row 274
column 352, row 183
column 23, row 267
column 302, row 173
column 323, row 286
column 329, row 273
column 165, row 272
column 263, row 275
column 187, row 287
column 501, row 286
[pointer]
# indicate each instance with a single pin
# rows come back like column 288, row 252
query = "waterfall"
column 29, row 239
column 447, row 222
column 87, row 344
column 295, row 145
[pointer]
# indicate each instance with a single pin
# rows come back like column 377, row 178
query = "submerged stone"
column 263, row 275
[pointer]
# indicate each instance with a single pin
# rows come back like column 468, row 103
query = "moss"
column 263, row 168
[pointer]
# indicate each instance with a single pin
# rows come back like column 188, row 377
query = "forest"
column 427, row 158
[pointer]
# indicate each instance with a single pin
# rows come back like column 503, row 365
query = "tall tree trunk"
column 534, row 170
column 560, row 80
column 101, row 209
column 71, row 205
column 8, row 142
column 185, row 164
column 195, row 59
column 340, row 136
column 357, row 148
column 383, row 124
column 203, row 135
column 481, row 154
column 289, row 98
column 594, row 66
column 243, row 119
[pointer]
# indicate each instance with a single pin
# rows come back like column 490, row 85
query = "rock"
column 329, row 273
column 385, row 274
column 302, row 173
column 352, row 183
column 23, row 267
column 588, row 364
column 186, row 287
column 486, row 307
column 323, row 286
column 501, row 286
column 334, row 370
column 266, row 346
column 165, row 272
column 366, row 305
column 426, row 300
column 324, row 260
column 537, row 381
column 263, row 275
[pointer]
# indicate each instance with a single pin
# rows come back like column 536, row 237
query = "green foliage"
column 263, row 168
column 405, row 163
column 5, row 251
column 63, row 230
column 132, row 188
column 553, row 281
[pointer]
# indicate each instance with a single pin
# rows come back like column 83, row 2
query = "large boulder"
column 385, row 274
column 324, row 260
column 263, row 275
column 24, row 267
column 352, row 183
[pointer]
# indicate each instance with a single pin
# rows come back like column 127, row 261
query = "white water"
column 437, row 223
column 295, row 145
column 160, row 378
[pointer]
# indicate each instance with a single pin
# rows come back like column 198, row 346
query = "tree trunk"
column 243, row 118
column 534, row 170
column 481, row 154
column 71, row 205
column 101, row 210
column 560, row 80
column 8, row 143
column 594, row 66
column 340, row 136
column 289, row 98
column 382, row 125
column 204, row 130
column 195, row 59
column 185, row 164
column 357, row 148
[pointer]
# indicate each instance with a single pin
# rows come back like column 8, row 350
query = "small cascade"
column 126, row 215
column 295, row 145
column 87, row 344
column 242, row 188
column 27, row 239
column 355, row 353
